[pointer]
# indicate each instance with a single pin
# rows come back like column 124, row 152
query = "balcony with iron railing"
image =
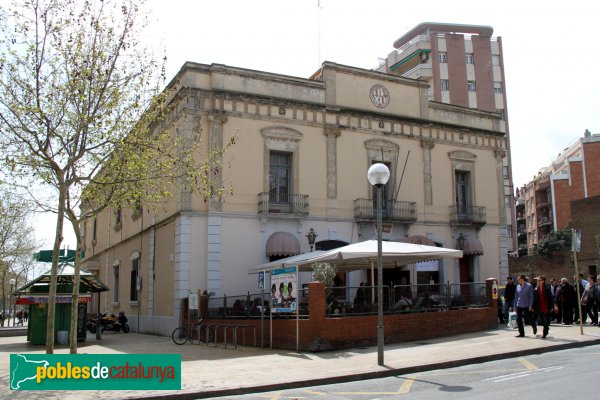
column 283, row 204
column 542, row 203
column 467, row 215
column 392, row 211
column 545, row 221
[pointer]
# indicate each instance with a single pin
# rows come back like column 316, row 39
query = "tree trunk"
column 53, row 271
column 76, row 280
column 3, row 296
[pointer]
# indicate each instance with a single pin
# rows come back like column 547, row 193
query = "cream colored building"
column 300, row 162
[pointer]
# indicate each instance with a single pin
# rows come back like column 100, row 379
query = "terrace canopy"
column 362, row 255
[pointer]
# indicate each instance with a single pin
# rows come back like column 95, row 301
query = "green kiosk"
column 35, row 294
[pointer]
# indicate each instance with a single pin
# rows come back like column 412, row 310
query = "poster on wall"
column 284, row 284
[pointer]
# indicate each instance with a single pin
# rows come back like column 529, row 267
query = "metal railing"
column 345, row 301
column 422, row 69
column 471, row 215
column 269, row 203
column 399, row 211
column 251, row 305
column 241, row 306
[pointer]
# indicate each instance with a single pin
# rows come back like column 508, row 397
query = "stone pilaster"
column 332, row 133
column 427, row 145
column 500, row 154
column 216, row 143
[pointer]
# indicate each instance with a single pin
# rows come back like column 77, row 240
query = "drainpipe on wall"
column 553, row 202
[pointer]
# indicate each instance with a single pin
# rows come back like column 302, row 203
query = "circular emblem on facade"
column 380, row 97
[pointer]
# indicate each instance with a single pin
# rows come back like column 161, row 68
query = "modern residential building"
column 464, row 66
column 299, row 166
column 544, row 204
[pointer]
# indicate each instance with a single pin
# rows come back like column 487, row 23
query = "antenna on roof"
column 319, row 31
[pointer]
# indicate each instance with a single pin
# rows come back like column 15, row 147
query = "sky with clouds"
column 551, row 51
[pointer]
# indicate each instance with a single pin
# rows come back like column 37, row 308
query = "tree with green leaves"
column 555, row 241
column 83, row 118
column 323, row 272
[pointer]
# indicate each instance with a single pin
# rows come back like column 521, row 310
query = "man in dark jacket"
column 543, row 302
column 566, row 299
column 509, row 297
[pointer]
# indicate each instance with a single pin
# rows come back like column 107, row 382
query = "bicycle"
column 198, row 330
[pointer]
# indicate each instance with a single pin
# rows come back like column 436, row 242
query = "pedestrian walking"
column 524, row 305
column 509, row 297
column 578, row 281
column 566, row 299
column 588, row 300
column 554, row 285
column 543, row 304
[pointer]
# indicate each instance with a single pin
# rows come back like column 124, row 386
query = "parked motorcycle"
column 109, row 323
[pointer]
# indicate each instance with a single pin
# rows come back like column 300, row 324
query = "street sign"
column 261, row 280
column 576, row 240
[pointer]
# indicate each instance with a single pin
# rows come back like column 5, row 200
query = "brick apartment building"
column 563, row 194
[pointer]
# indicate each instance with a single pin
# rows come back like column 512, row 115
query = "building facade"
column 545, row 203
column 303, row 148
column 463, row 65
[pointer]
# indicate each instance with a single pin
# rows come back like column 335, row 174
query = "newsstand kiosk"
column 35, row 295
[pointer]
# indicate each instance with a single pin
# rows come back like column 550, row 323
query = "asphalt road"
column 556, row 375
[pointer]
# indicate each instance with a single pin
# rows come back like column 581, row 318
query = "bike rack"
column 234, row 327
column 217, row 326
column 208, row 328
column 235, row 330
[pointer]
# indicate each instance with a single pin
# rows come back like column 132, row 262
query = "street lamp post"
column 12, row 289
column 378, row 176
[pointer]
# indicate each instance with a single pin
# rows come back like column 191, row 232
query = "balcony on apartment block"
column 404, row 212
column 545, row 221
column 543, row 203
column 467, row 215
column 283, row 204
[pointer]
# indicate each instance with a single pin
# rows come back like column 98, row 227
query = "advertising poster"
column 284, row 284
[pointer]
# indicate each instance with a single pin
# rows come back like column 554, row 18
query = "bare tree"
column 82, row 114
column 16, row 240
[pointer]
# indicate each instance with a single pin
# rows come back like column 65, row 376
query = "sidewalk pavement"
column 211, row 372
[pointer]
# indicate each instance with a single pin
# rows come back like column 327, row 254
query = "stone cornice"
column 280, row 112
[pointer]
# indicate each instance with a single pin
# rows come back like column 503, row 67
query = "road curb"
column 369, row 375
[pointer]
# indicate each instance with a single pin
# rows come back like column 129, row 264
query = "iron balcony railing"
column 392, row 210
column 467, row 215
column 543, row 221
column 295, row 204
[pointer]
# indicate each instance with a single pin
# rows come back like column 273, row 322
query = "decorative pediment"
column 281, row 133
column 386, row 145
column 462, row 155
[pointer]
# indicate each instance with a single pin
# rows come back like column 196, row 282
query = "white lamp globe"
column 378, row 174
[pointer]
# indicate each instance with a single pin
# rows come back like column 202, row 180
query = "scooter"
column 122, row 319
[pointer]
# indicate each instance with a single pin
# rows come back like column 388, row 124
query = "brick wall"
column 320, row 333
column 586, row 216
column 567, row 190
column 561, row 203
column 591, row 152
column 560, row 266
